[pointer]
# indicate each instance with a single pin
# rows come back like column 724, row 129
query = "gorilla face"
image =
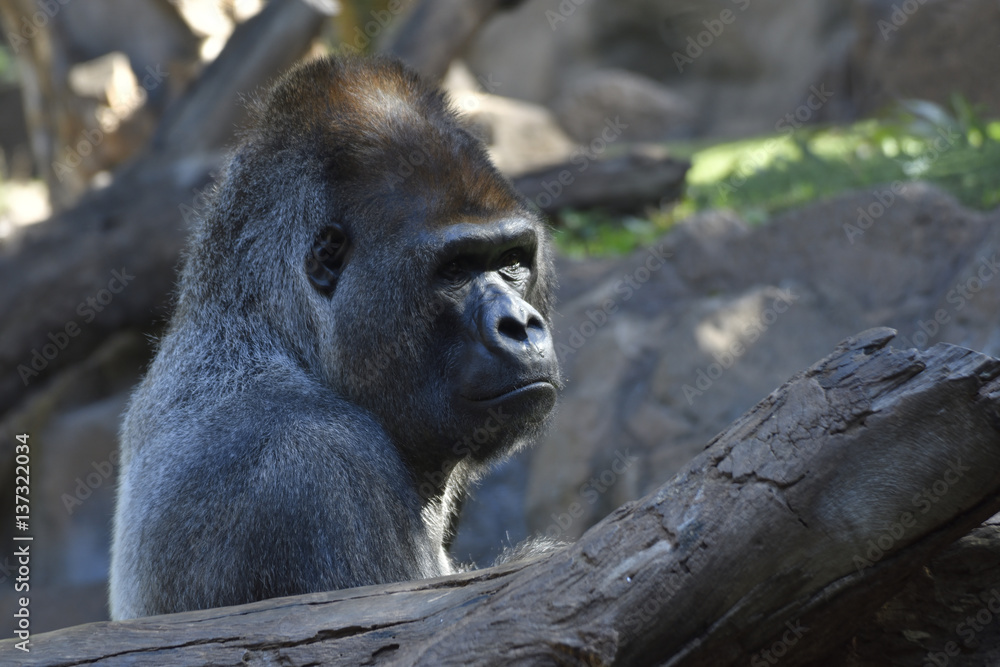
column 504, row 351
column 457, row 358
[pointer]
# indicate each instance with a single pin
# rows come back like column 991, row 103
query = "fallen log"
column 793, row 525
column 946, row 614
column 645, row 175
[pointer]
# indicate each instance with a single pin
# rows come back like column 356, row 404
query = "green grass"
column 763, row 176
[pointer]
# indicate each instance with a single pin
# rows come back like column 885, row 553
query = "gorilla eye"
column 512, row 263
column 326, row 258
column 454, row 271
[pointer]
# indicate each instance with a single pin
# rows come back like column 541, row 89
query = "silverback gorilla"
column 362, row 325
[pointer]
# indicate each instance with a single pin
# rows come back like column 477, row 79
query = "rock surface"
column 520, row 136
column 926, row 49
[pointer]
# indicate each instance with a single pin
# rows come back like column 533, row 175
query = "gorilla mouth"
column 538, row 389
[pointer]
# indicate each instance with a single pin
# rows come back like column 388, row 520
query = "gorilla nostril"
column 511, row 328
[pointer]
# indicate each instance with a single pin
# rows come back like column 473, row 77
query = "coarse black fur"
column 362, row 326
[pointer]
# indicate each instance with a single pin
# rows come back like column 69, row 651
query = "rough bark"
column 765, row 539
column 946, row 614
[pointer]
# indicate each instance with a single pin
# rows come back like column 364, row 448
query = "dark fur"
column 289, row 440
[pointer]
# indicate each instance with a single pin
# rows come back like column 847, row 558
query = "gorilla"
column 362, row 326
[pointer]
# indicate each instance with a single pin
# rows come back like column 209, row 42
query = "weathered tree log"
column 645, row 175
column 797, row 521
column 947, row 613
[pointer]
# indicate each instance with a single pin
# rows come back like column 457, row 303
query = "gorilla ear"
column 327, row 258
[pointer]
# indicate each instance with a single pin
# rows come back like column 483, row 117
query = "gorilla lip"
column 530, row 388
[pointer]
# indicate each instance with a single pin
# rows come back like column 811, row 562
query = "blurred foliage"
column 956, row 149
column 584, row 233
column 8, row 67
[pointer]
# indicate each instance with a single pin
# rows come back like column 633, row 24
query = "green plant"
column 956, row 149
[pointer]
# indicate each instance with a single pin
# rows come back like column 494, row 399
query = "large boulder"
column 520, row 136
column 926, row 49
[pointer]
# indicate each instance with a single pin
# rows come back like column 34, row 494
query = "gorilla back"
column 364, row 295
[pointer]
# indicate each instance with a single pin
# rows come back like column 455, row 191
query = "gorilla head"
column 422, row 283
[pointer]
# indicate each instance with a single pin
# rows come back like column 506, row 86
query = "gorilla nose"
column 510, row 325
